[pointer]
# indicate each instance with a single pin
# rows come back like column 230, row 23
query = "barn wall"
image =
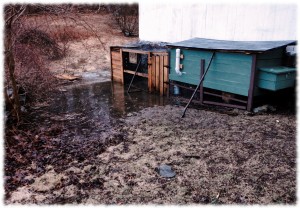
column 177, row 22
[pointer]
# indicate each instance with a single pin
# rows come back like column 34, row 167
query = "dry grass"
column 70, row 33
column 218, row 159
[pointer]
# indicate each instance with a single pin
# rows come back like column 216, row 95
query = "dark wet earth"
column 80, row 117
column 111, row 136
column 88, row 111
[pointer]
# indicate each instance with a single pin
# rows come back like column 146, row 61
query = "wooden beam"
column 166, row 74
column 111, row 67
column 161, row 75
column 156, row 73
column 137, row 73
column 225, row 105
column 149, row 73
column 121, row 55
column 220, row 96
column 135, row 51
column 160, row 53
column 252, row 84
column 153, row 66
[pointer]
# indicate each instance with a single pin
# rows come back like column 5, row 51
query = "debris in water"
column 166, row 171
column 260, row 109
column 68, row 77
column 264, row 108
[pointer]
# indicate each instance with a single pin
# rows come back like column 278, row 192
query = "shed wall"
column 177, row 22
column 229, row 72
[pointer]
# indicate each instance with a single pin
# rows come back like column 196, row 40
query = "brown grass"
column 70, row 33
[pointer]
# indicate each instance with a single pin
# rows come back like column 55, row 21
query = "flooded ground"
column 94, row 143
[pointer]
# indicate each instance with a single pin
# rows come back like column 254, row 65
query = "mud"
column 106, row 151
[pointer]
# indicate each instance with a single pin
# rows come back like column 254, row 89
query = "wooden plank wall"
column 158, row 73
column 158, row 70
column 116, row 65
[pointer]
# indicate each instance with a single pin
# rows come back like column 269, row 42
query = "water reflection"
column 103, row 102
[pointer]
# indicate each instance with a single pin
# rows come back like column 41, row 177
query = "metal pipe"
column 201, row 80
column 177, row 62
column 134, row 75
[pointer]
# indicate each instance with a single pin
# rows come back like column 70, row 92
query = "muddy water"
column 106, row 100
column 88, row 110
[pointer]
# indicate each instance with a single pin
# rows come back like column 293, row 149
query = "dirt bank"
column 218, row 158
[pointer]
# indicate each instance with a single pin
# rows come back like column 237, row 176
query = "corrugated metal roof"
column 251, row 46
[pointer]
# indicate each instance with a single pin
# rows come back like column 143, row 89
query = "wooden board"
column 116, row 60
column 115, row 55
column 161, row 75
column 122, row 78
column 137, row 73
column 117, row 73
column 157, row 73
column 153, row 69
column 166, row 75
column 149, row 73
column 116, row 66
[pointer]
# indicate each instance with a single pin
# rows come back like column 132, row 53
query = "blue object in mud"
column 166, row 171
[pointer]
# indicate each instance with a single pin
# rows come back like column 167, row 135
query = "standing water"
column 91, row 109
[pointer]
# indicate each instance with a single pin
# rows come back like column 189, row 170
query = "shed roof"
column 211, row 44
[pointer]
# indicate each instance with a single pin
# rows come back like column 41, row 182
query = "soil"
column 78, row 150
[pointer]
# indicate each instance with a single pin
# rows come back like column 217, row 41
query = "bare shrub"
column 31, row 71
column 41, row 40
column 127, row 17
column 32, row 50
column 32, row 40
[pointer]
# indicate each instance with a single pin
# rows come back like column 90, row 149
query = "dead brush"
column 41, row 40
column 31, row 71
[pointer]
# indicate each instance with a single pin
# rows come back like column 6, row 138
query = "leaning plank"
column 137, row 73
column 68, row 77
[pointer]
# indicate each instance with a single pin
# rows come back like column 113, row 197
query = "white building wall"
column 176, row 22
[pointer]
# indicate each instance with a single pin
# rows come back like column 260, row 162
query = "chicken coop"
column 233, row 72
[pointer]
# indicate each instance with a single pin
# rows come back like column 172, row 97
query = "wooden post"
column 202, row 65
column 161, row 75
column 111, row 67
column 153, row 66
column 252, row 84
column 166, row 74
column 149, row 73
column 122, row 70
column 157, row 73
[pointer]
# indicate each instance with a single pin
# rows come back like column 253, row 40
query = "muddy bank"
column 218, row 158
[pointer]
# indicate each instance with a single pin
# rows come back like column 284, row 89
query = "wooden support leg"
column 252, row 84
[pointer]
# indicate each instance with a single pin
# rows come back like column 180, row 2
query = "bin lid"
column 277, row 69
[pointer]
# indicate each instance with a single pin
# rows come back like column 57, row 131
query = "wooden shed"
column 237, row 71
column 151, row 64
